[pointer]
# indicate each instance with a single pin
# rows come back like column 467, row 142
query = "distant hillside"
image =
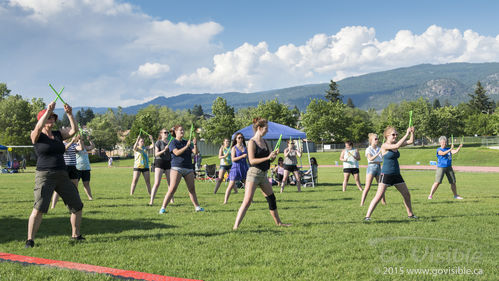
column 448, row 82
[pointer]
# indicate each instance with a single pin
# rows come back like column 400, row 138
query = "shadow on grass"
column 14, row 229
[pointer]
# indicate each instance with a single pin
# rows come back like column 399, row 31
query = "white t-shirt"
column 350, row 162
column 371, row 151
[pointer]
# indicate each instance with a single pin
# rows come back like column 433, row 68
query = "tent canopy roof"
column 275, row 130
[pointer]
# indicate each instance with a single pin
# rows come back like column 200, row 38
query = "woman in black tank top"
column 51, row 174
column 259, row 156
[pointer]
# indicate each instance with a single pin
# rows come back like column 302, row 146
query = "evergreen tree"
column 350, row 103
column 479, row 101
column 333, row 94
column 4, row 91
column 436, row 104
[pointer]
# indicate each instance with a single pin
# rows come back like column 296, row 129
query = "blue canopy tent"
column 275, row 130
column 273, row 134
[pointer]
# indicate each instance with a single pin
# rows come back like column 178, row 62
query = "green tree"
column 197, row 110
column 359, row 124
column 16, row 121
column 222, row 124
column 481, row 124
column 325, row 121
column 104, row 131
column 436, row 104
column 276, row 112
column 4, row 91
column 479, row 101
column 147, row 120
column 244, row 117
column 333, row 93
column 450, row 121
column 350, row 103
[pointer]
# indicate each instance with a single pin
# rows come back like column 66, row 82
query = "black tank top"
column 50, row 152
column 262, row 153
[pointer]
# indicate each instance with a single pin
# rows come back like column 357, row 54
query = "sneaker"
column 29, row 244
column 430, row 197
column 367, row 219
column 458, row 197
column 162, row 211
column 413, row 217
column 199, row 209
column 78, row 238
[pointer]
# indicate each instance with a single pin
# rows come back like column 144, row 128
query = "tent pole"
column 310, row 164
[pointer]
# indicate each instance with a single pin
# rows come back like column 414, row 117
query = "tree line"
column 327, row 120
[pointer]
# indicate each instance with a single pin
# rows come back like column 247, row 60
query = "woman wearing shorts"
column 239, row 156
column 70, row 161
column 259, row 156
column 181, row 152
column 279, row 170
column 83, row 164
column 350, row 157
column 390, row 172
column 224, row 154
column 141, row 164
column 374, row 160
column 51, row 174
column 444, row 166
column 162, row 162
column 290, row 163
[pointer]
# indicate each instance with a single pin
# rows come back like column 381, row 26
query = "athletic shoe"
column 367, row 219
column 162, row 211
column 199, row 209
column 29, row 244
column 413, row 217
column 78, row 238
column 458, row 197
column 430, row 197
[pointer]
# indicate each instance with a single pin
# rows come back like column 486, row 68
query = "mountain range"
column 450, row 83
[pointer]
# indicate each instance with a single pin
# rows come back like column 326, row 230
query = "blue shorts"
column 374, row 169
column 183, row 171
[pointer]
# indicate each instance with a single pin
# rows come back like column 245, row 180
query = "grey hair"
column 442, row 138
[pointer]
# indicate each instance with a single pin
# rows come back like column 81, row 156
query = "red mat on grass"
column 89, row 268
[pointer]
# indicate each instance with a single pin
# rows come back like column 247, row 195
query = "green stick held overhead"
column 192, row 130
column 170, row 138
column 410, row 118
column 58, row 94
column 462, row 139
column 452, row 139
column 144, row 132
column 278, row 144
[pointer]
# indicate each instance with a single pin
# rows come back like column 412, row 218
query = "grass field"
column 327, row 240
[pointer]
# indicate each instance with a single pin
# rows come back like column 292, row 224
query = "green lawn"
column 327, row 240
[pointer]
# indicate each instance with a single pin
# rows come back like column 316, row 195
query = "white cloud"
column 151, row 70
column 80, row 43
column 354, row 50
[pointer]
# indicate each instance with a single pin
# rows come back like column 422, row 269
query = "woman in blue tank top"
column 259, row 156
column 390, row 172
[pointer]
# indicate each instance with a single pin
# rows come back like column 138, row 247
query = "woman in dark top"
column 162, row 162
column 259, row 156
column 181, row 167
column 51, row 174
column 239, row 169
column 390, row 172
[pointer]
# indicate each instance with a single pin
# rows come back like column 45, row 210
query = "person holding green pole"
column 444, row 166
column 224, row 154
column 141, row 163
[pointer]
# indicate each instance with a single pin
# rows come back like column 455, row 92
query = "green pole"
column 278, row 144
column 410, row 118
column 58, row 94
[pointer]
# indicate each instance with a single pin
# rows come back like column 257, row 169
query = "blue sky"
column 110, row 52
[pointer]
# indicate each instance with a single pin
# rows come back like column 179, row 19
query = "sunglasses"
column 376, row 139
column 164, row 132
column 239, row 137
column 394, row 135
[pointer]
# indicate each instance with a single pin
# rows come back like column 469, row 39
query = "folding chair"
column 211, row 172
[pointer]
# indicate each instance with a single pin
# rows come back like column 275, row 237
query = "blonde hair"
column 388, row 130
column 371, row 137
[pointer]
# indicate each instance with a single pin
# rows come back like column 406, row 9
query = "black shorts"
column 72, row 172
column 290, row 168
column 352, row 171
column 142, row 170
column 225, row 167
column 84, row 175
column 390, row 179
column 280, row 177
column 162, row 164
